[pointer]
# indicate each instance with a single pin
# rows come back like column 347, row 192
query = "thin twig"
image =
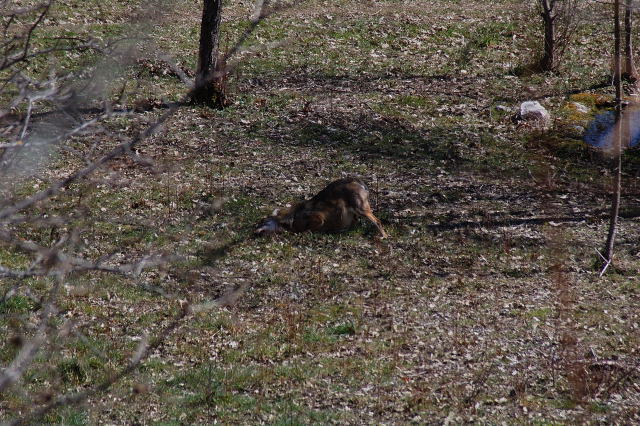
column 606, row 261
column 26, row 120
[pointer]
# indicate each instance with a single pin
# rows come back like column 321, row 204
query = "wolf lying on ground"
column 333, row 209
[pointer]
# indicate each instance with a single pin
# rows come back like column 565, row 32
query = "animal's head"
column 277, row 222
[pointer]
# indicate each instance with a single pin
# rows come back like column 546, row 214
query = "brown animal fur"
column 333, row 209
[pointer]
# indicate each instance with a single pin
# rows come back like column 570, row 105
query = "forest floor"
column 484, row 305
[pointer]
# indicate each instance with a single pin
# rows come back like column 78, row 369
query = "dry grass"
column 474, row 310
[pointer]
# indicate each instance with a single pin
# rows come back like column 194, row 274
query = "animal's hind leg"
column 368, row 213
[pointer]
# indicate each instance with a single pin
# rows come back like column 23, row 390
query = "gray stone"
column 535, row 114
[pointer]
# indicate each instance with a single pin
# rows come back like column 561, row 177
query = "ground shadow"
column 373, row 136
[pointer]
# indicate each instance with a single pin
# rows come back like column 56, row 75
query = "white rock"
column 532, row 111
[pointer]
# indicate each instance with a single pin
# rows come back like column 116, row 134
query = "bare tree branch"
column 39, row 99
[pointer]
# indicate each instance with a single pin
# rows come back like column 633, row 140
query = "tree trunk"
column 629, row 72
column 548, row 61
column 208, row 88
column 617, row 141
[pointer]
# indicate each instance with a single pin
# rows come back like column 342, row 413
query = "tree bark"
column 208, row 89
column 629, row 72
column 617, row 140
column 548, row 61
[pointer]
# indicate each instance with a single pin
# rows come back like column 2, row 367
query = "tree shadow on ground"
column 374, row 136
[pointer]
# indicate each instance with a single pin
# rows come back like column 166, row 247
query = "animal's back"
column 350, row 190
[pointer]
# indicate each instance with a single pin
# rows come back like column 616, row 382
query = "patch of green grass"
column 13, row 259
column 17, row 305
column 483, row 37
column 65, row 54
column 230, row 391
column 71, row 372
column 565, row 403
column 270, row 346
column 358, row 33
column 275, row 280
column 541, row 313
column 345, row 329
column 68, row 416
column 410, row 108
column 599, row 407
column 105, row 284
column 414, row 101
column 315, row 336
column 293, row 414
column 218, row 389
column 516, row 272
column 11, row 345
column 154, row 366
column 244, row 209
column 629, row 287
column 98, row 9
column 214, row 321
column 91, row 351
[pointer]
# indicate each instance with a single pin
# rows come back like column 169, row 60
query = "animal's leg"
column 365, row 211
column 369, row 215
